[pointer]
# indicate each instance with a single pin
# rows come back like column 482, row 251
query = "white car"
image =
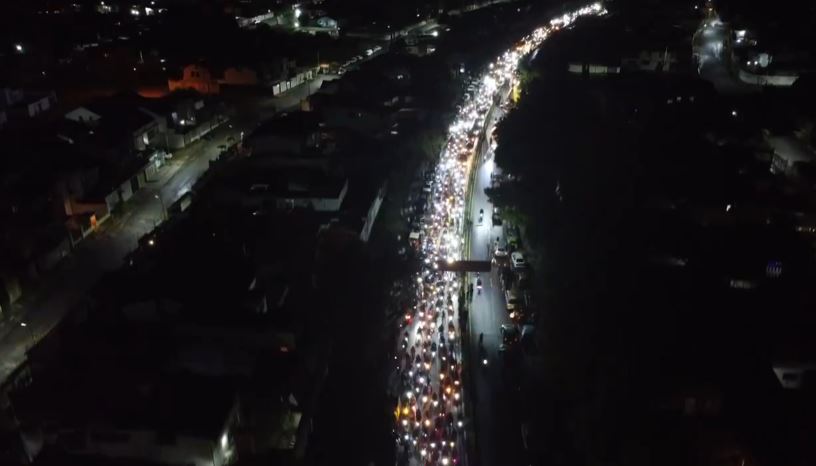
column 518, row 261
column 501, row 250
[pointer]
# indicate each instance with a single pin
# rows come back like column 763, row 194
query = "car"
column 517, row 259
column 481, row 216
column 497, row 220
column 510, row 334
column 512, row 303
column 501, row 250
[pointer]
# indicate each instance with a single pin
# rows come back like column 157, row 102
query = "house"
column 198, row 360
column 651, row 60
column 592, row 68
column 419, row 46
column 22, row 104
column 198, row 78
column 239, row 76
column 250, row 14
column 125, row 140
column 187, row 116
column 119, row 114
column 256, row 187
column 34, row 206
column 789, row 154
column 208, row 81
column 169, row 420
column 359, row 113
column 297, row 133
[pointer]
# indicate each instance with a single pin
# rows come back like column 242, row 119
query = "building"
column 186, row 115
column 197, row 78
column 125, row 140
column 789, row 154
column 254, row 186
column 651, row 60
column 21, row 104
column 167, row 420
column 299, row 133
column 33, row 206
column 119, row 115
column 208, row 81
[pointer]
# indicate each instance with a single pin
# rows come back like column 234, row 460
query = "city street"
column 714, row 57
column 40, row 310
column 498, row 432
column 430, row 416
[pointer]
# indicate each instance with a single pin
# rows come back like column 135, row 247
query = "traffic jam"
column 430, row 412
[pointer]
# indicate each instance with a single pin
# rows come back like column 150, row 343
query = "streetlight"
column 164, row 209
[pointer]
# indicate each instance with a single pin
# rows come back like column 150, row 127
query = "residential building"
column 126, row 141
column 22, row 104
column 298, row 133
column 651, row 60
column 256, row 187
column 197, row 78
column 790, row 154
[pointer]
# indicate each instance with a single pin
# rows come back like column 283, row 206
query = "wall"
column 49, row 259
column 126, row 190
column 11, row 285
column 295, row 81
column 181, row 140
column 239, row 77
column 197, row 78
column 581, row 68
column 330, row 204
column 371, row 216
column 39, row 106
column 112, row 200
column 141, row 444
column 780, row 80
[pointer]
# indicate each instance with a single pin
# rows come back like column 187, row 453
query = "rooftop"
column 122, row 399
column 792, row 149
column 290, row 124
